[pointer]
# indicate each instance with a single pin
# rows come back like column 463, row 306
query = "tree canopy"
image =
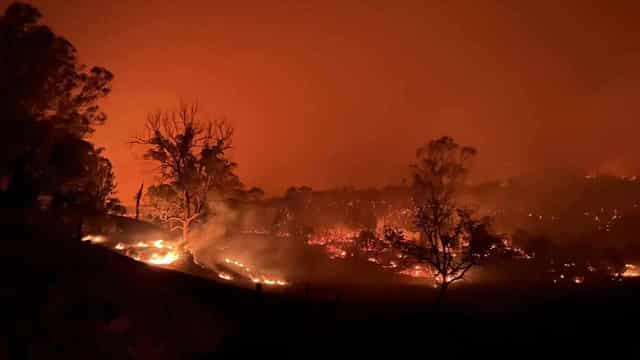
column 48, row 107
column 192, row 164
column 452, row 239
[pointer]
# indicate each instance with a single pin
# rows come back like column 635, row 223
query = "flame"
column 234, row 262
column 255, row 278
column 225, row 276
column 165, row 259
column 142, row 251
column 268, row 281
column 160, row 245
column 96, row 239
column 631, row 271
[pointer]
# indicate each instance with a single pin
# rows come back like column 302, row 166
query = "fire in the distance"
column 342, row 244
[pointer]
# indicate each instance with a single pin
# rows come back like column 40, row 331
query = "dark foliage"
column 48, row 106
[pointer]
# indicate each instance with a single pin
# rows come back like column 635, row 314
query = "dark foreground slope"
column 63, row 299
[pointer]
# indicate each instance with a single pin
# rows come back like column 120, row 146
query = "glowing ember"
column 161, row 245
column 256, row 278
column 335, row 240
column 234, row 262
column 631, row 271
column 225, row 276
column 96, row 239
column 165, row 259
column 267, row 281
column 156, row 252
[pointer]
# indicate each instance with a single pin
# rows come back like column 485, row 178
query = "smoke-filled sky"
column 331, row 93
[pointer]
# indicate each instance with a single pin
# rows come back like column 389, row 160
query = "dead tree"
column 191, row 154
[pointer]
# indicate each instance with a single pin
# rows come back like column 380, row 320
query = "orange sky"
column 330, row 93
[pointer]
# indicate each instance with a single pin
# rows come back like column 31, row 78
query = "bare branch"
column 191, row 158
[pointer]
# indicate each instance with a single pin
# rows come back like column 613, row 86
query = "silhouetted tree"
column 191, row 154
column 483, row 238
column 446, row 228
column 95, row 190
column 48, row 105
column 101, row 185
column 163, row 202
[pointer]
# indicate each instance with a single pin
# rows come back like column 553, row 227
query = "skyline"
column 297, row 81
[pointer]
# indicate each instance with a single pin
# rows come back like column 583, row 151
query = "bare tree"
column 440, row 169
column 191, row 154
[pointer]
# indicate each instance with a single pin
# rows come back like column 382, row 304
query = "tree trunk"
column 441, row 294
column 138, row 197
column 185, row 233
column 187, row 203
column 187, row 219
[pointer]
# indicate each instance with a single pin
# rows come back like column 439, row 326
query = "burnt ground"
column 68, row 300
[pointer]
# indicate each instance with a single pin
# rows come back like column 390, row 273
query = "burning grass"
column 254, row 275
column 156, row 252
column 167, row 254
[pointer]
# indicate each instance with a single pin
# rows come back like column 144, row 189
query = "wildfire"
column 631, row 271
column 256, row 278
column 96, row 239
column 225, row 276
column 236, row 263
column 336, row 241
column 342, row 243
column 267, row 281
column 417, row 271
column 165, row 259
column 155, row 252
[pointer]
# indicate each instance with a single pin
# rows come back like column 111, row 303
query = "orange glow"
column 166, row 259
column 387, row 69
column 631, row 271
column 96, row 239
column 225, row 276
column 156, row 252
column 255, row 276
